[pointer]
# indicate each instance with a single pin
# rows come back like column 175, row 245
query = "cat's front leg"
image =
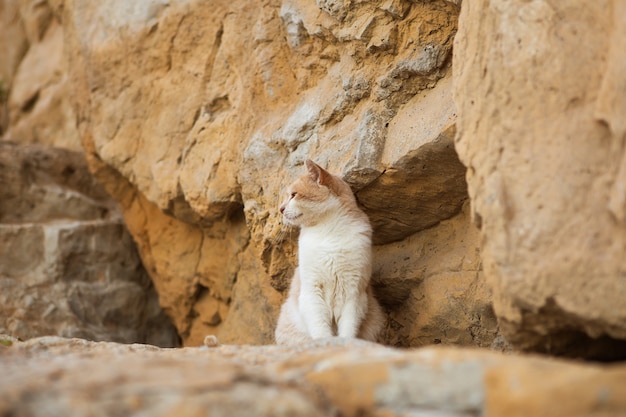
column 316, row 315
column 351, row 316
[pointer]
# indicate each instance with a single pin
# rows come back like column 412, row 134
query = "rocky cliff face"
column 196, row 115
column 34, row 78
column 545, row 157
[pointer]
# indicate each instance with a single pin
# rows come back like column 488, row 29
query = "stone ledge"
column 327, row 377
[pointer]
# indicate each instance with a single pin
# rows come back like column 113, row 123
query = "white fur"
column 334, row 267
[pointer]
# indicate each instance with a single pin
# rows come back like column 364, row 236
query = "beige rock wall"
column 540, row 91
column 34, row 78
column 433, row 287
column 195, row 116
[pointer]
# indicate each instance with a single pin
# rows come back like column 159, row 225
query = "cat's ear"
column 317, row 173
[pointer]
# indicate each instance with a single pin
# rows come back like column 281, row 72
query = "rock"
column 191, row 286
column 195, row 116
column 433, row 286
column 327, row 377
column 41, row 183
column 67, row 264
column 13, row 40
column 35, row 78
column 423, row 182
column 195, row 125
column 13, row 46
column 544, row 153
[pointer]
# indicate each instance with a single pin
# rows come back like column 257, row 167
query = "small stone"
column 211, row 341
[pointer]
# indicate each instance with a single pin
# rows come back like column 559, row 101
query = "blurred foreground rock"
column 73, row 377
column 67, row 264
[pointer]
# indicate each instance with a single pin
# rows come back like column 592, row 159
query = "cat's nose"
column 282, row 209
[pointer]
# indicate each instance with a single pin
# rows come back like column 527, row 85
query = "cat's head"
column 314, row 196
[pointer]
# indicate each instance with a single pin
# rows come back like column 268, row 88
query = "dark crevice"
column 562, row 336
column 30, row 103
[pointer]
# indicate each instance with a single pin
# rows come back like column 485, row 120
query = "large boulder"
column 541, row 96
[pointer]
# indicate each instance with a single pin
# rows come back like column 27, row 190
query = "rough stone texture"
column 48, row 376
column 196, row 115
column 67, row 264
column 34, row 83
column 541, row 95
column 433, row 287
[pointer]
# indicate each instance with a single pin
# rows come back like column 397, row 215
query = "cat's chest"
column 326, row 246
column 332, row 248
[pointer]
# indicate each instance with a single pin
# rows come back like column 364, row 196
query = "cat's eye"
column 294, row 194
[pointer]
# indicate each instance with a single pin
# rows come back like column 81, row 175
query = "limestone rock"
column 13, row 40
column 198, row 115
column 34, row 84
column 423, row 182
column 67, row 264
column 545, row 157
column 432, row 284
column 13, row 46
column 329, row 377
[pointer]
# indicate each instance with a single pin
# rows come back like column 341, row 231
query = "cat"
column 330, row 292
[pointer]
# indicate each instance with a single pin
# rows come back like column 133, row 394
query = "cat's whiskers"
column 282, row 233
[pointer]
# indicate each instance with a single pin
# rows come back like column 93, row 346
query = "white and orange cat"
column 330, row 292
